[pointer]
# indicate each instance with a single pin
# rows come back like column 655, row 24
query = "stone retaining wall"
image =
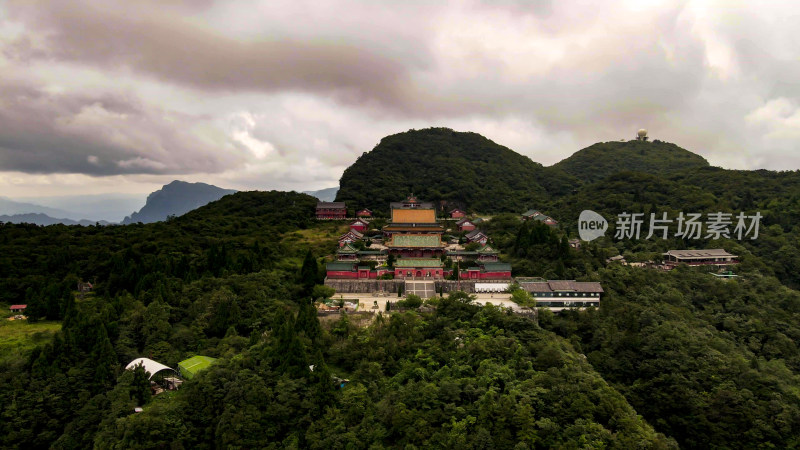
column 361, row 286
column 391, row 286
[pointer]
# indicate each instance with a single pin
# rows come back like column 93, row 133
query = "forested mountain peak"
column 603, row 159
column 448, row 167
column 175, row 199
column 255, row 208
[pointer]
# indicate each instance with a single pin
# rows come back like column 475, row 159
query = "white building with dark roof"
column 708, row 257
column 557, row 295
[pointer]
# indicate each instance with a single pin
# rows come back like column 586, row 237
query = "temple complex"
column 413, row 248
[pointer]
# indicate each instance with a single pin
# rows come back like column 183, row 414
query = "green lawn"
column 18, row 337
column 321, row 237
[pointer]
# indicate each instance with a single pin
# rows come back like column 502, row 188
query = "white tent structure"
column 491, row 287
column 150, row 366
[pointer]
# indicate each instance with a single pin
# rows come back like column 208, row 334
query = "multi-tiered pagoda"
column 413, row 240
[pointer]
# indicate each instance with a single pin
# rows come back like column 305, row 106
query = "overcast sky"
column 107, row 97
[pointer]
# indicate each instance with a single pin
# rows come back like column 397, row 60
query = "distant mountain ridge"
column 10, row 207
column 111, row 207
column 324, row 195
column 175, row 199
column 12, row 211
column 44, row 219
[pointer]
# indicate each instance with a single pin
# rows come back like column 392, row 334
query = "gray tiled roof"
column 496, row 267
column 562, row 286
column 699, row 254
column 331, row 205
column 339, row 266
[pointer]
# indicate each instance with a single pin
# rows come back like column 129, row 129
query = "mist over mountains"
column 44, row 219
column 96, row 207
column 70, row 210
column 10, row 207
column 324, row 195
column 174, row 199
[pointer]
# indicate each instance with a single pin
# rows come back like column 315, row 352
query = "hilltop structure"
column 412, row 217
column 538, row 216
column 359, row 225
column 709, row 257
column 415, row 238
column 350, row 237
column 477, row 236
column 331, row 210
column 413, row 258
column 457, row 213
column 414, row 245
column 465, row 225
column 562, row 294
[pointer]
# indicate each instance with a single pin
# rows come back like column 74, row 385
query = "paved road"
column 425, row 289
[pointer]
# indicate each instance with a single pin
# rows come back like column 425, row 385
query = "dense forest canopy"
column 438, row 164
column 670, row 359
column 604, row 159
column 469, row 171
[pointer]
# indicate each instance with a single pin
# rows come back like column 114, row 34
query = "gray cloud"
column 100, row 134
column 264, row 93
column 164, row 43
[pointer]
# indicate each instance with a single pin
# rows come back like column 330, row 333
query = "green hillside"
column 670, row 359
column 774, row 195
column 226, row 281
column 441, row 165
column 604, row 159
column 469, row 171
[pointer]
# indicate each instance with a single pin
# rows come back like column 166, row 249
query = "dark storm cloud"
column 360, row 65
column 163, row 43
column 275, row 90
column 98, row 134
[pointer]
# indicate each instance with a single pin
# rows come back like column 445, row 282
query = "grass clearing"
column 321, row 237
column 320, row 234
column 17, row 337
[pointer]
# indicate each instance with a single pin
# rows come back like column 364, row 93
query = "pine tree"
column 103, row 357
column 307, row 322
column 322, row 382
column 289, row 350
column 140, row 386
column 309, row 273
